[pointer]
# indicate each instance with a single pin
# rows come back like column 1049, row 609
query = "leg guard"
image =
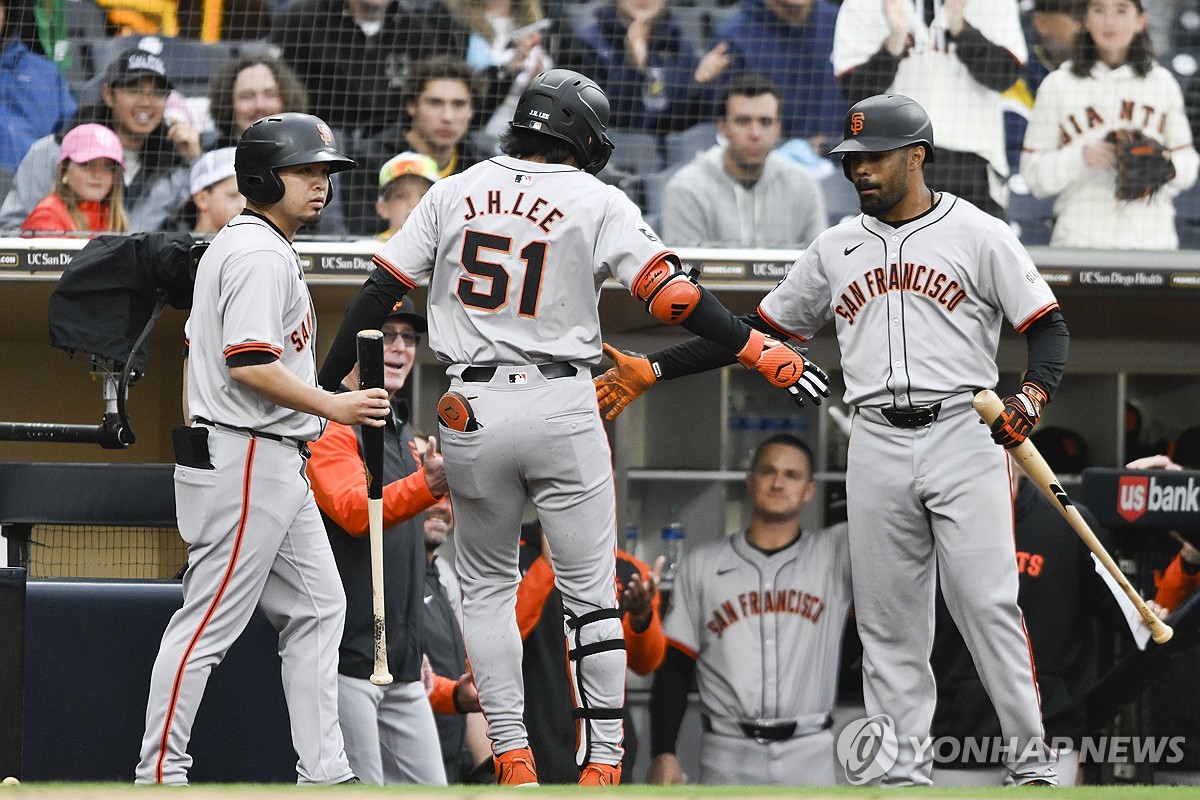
column 588, row 636
column 670, row 294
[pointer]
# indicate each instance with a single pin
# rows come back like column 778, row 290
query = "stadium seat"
column 85, row 19
column 841, row 201
column 190, row 62
column 1032, row 218
column 683, row 146
column 695, row 25
column 1187, row 218
column 637, row 152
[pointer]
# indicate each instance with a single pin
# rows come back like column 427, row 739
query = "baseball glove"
column 1143, row 164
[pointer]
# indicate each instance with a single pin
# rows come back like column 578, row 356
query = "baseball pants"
column 736, row 760
column 391, row 737
column 255, row 538
column 930, row 503
column 543, row 440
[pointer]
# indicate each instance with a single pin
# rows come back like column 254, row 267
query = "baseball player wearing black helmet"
column 515, row 250
column 916, row 288
column 255, row 537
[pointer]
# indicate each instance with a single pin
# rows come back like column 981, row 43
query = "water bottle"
column 631, row 539
column 672, row 549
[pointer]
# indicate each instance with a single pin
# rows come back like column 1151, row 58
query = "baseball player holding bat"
column 917, row 286
column 515, row 250
column 254, row 534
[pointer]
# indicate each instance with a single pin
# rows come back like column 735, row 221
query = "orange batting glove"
column 622, row 384
column 785, row 367
column 1020, row 414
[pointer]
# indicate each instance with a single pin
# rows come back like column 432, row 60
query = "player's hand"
column 638, row 595
column 785, row 367
column 1153, row 462
column 624, row 383
column 363, row 407
column 466, row 695
column 665, row 771
column 434, row 469
column 1159, row 611
column 1020, row 414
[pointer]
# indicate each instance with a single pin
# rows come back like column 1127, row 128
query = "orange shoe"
column 600, row 775
column 515, row 768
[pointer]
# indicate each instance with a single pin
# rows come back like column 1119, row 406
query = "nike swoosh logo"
column 726, row 571
column 850, row 250
column 428, row 599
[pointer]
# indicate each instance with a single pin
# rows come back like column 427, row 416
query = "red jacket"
column 51, row 216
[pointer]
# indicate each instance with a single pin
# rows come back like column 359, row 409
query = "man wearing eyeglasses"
column 158, row 151
column 390, row 733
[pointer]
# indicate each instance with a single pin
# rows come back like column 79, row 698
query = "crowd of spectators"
column 439, row 78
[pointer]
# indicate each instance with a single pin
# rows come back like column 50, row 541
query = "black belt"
column 919, row 417
column 764, row 731
column 555, row 369
column 300, row 445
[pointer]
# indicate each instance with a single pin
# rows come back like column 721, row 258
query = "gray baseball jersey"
column 918, row 309
column 254, row 535
column 260, row 305
column 765, row 630
column 515, row 253
column 522, row 250
column 766, row 633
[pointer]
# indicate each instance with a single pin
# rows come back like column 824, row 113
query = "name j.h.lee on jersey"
column 916, row 278
column 780, row 601
column 1134, row 114
column 498, row 202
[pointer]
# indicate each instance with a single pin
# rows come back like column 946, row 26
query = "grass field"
column 244, row 791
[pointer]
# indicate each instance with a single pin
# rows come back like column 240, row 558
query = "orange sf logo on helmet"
column 856, row 123
column 325, row 134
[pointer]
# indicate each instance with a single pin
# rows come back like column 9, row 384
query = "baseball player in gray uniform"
column 917, row 287
column 254, row 534
column 759, row 615
column 515, row 250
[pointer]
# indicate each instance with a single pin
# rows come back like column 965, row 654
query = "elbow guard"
column 670, row 294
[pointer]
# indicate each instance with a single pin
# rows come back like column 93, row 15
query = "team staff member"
column 521, row 244
column 917, row 286
column 254, row 534
column 389, row 730
column 760, row 614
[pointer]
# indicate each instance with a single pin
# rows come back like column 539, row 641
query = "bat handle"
column 1160, row 631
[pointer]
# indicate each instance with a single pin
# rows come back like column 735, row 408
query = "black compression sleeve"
column 700, row 355
column 713, row 321
column 367, row 310
column 1046, row 342
column 668, row 699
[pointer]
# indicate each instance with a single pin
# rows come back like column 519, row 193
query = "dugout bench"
column 75, row 664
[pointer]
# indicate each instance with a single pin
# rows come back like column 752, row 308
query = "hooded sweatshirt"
column 704, row 205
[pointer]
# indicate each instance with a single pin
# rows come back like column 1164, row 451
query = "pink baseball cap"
column 88, row 142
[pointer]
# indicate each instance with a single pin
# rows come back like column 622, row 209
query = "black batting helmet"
column 885, row 122
column 571, row 107
column 282, row 140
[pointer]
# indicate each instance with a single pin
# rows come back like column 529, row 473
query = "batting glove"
column 786, row 367
column 1020, row 414
column 621, row 385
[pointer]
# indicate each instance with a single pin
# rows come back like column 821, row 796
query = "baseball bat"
column 989, row 406
column 370, row 376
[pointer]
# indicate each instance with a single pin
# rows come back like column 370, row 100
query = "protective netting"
column 441, row 79
column 105, row 551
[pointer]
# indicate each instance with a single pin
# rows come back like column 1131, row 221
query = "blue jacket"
column 795, row 58
column 34, row 101
column 638, row 102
